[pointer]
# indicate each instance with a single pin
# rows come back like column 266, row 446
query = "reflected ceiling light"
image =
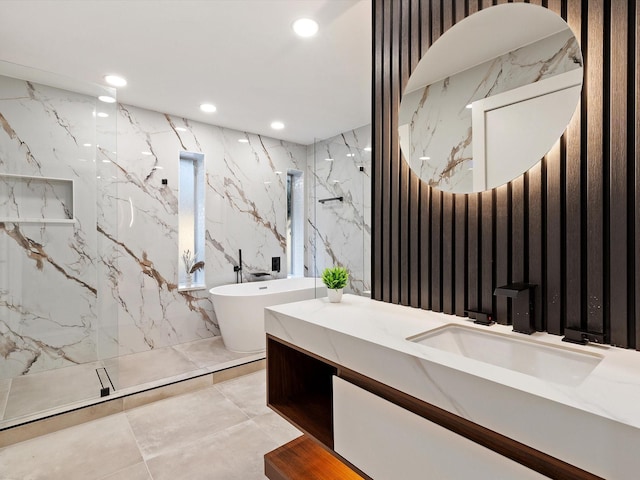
column 106, row 161
column 267, row 183
column 277, row 125
column 181, row 129
column 278, row 172
column 351, row 154
column 367, row 149
column 305, row 27
column 469, row 106
column 146, row 153
column 115, row 80
column 208, row 108
column 336, row 181
column 425, row 158
column 243, row 140
column 86, row 144
column 157, row 167
column 103, row 115
column 106, row 99
column 328, row 159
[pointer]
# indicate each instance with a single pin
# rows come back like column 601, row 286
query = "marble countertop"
column 345, row 333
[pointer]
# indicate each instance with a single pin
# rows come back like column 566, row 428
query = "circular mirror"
column 490, row 98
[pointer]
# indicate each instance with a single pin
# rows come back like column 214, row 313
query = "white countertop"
column 369, row 336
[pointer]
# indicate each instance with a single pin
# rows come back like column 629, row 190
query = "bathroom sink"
column 546, row 362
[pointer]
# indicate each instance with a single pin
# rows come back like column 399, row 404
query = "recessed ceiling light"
column 328, row 159
column 425, row 158
column 86, row 144
column 367, row 149
column 208, row 108
column 181, row 129
column 106, row 99
column 103, row 115
column 305, row 27
column 243, row 140
column 351, row 154
column 277, row 125
column 106, row 161
column 469, row 106
column 115, row 80
column 146, row 153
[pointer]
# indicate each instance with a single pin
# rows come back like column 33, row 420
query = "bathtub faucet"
column 238, row 268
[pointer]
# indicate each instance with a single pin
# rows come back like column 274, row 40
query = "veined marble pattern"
column 438, row 124
column 340, row 232
column 48, row 281
column 245, row 209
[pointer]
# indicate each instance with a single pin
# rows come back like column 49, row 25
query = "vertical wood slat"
column 573, row 204
column 487, row 247
column 594, row 159
column 503, row 247
column 414, row 241
column 404, row 235
column 425, row 26
column 460, row 10
column 518, row 231
column 436, row 20
column 436, row 250
column 425, row 246
column 386, row 156
column 535, row 230
column 552, row 280
column 395, row 154
column 473, row 251
column 377, row 131
column 637, row 173
column 448, row 246
column 460, row 286
column 415, row 20
column 617, row 284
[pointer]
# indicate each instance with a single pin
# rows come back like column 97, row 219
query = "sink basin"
column 546, row 362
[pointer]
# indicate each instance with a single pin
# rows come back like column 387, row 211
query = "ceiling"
column 240, row 55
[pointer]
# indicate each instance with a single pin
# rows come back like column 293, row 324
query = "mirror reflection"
column 490, row 98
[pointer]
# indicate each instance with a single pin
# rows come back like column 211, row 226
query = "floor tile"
column 144, row 367
column 173, row 423
column 88, row 451
column 247, row 392
column 54, row 388
column 236, row 453
column 207, row 352
column 138, row 471
column 277, row 427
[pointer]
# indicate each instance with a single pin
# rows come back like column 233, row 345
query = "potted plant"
column 335, row 278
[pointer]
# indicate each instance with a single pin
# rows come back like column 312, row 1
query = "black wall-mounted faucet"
column 573, row 335
column 522, row 305
column 238, row 268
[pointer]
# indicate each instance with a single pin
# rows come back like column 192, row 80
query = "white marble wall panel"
column 245, row 209
column 48, row 280
column 340, row 232
column 440, row 126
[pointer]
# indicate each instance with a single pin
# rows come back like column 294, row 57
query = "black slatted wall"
column 568, row 225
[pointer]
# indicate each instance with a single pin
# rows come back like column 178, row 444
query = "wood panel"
column 570, row 225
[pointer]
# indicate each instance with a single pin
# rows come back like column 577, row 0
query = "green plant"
column 335, row 277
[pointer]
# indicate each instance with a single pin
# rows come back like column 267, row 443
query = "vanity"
column 390, row 392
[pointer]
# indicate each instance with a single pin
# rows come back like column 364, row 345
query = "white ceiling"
column 240, row 55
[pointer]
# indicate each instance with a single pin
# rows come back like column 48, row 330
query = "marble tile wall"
column 107, row 285
column 49, row 298
column 245, row 209
column 436, row 124
column 339, row 233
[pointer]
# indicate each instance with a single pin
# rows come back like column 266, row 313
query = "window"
column 295, row 223
column 191, row 221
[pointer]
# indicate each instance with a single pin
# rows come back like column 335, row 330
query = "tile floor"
column 218, row 432
column 32, row 396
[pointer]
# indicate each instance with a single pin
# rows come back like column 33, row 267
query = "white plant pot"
column 335, row 295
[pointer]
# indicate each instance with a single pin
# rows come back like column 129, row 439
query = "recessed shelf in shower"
column 36, row 199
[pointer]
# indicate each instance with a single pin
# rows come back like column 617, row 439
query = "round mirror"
column 490, row 98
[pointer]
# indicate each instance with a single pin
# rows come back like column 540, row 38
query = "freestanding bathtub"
column 240, row 308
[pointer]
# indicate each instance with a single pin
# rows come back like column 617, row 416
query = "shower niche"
column 35, row 199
